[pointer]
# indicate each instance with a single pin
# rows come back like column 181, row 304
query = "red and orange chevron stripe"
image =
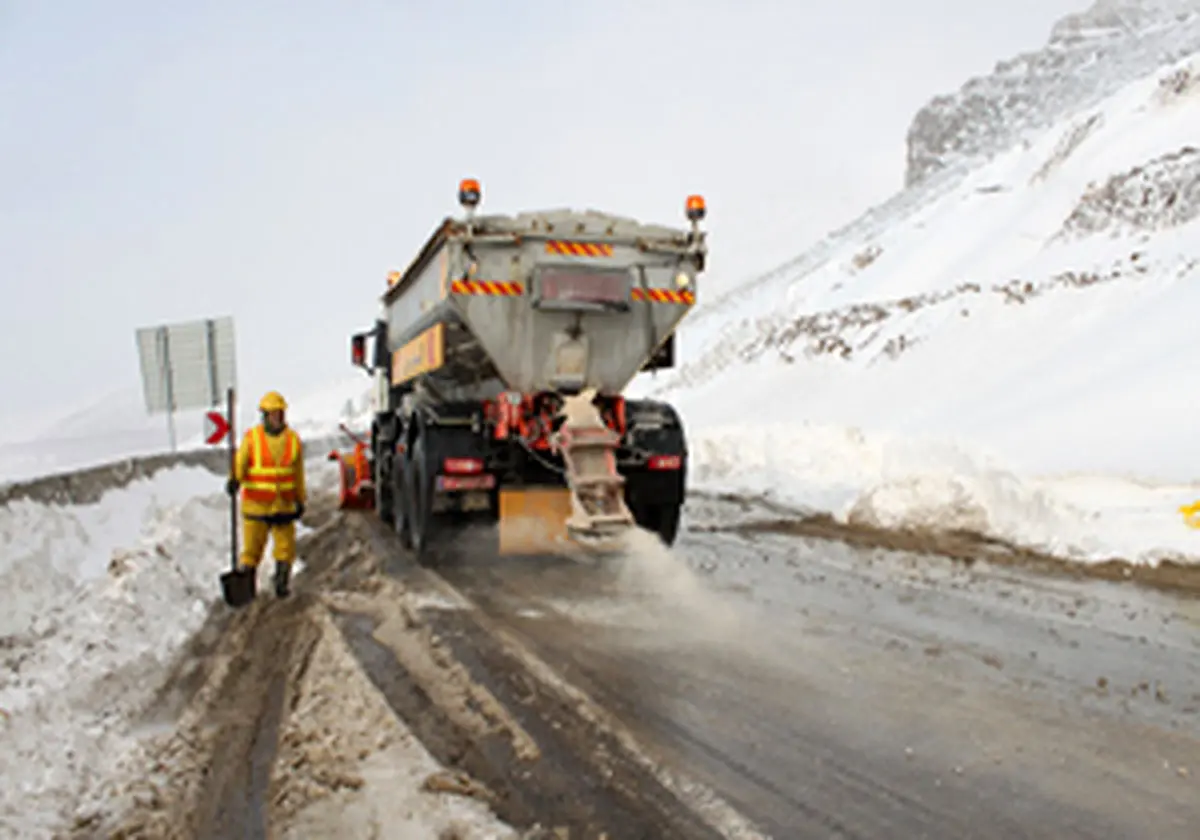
column 664, row 295
column 494, row 288
column 578, row 249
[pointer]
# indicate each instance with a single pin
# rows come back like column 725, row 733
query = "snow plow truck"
column 499, row 360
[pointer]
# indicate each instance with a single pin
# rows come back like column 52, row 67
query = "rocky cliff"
column 1089, row 55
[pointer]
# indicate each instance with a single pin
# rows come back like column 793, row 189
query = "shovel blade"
column 238, row 587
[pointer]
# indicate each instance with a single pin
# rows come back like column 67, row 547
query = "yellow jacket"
column 277, row 446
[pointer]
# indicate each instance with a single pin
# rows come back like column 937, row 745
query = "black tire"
column 384, row 500
column 661, row 519
column 422, row 524
column 397, row 481
column 668, row 523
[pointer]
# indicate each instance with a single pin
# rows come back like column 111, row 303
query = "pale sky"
column 269, row 160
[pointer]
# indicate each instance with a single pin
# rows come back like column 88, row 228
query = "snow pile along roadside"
column 101, row 602
column 47, row 552
column 891, row 481
column 96, row 601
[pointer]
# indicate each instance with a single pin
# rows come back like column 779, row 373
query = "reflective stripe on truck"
column 663, row 295
column 487, row 287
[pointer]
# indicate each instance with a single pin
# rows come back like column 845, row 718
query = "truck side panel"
column 422, row 293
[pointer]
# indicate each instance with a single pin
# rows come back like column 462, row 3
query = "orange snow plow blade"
column 533, row 520
column 355, row 488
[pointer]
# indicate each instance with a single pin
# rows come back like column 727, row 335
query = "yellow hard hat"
column 273, row 401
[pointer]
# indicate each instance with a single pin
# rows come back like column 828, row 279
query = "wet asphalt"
column 833, row 692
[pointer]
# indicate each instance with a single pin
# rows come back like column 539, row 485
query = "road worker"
column 269, row 469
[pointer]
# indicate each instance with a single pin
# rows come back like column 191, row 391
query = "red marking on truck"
column 461, row 466
column 451, row 483
column 578, row 249
column 665, row 462
column 494, row 288
column 663, row 295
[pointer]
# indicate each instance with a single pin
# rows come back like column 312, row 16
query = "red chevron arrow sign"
column 215, row 427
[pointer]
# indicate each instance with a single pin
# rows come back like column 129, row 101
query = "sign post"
column 233, row 447
column 237, row 585
column 218, row 427
column 188, row 366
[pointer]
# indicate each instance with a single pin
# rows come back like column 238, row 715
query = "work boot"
column 283, row 574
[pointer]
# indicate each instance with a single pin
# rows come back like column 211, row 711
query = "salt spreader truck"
column 482, row 340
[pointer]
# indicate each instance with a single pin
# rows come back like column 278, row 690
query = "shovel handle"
column 233, row 517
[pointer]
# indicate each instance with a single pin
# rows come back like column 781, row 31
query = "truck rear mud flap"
column 533, row 520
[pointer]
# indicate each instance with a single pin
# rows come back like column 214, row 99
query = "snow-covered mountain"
column 1090, row 55
column 1051, row 279
column 1023, row 308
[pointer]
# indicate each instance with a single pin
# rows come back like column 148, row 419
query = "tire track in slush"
column 258, row 689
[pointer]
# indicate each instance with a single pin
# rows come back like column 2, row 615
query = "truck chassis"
column 440, row 469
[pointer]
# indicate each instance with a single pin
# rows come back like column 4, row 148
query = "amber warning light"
column 469, row 192
column 695, row 207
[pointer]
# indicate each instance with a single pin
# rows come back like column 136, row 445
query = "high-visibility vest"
column 265, row 480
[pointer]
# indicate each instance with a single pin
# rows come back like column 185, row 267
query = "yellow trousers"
column 254, row 541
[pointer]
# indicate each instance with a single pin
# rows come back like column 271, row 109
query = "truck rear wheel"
column 384, row 499
column 662, row 519
column 397, row 480
column 422, row 524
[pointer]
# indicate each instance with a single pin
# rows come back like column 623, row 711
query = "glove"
column 299, row 510
column 231, row 486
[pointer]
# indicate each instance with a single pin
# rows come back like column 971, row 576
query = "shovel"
column 237, row 585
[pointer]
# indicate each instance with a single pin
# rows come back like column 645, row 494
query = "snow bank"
column 47, row 552
column 893, row 481
column 47, row 455
column 96, row 599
